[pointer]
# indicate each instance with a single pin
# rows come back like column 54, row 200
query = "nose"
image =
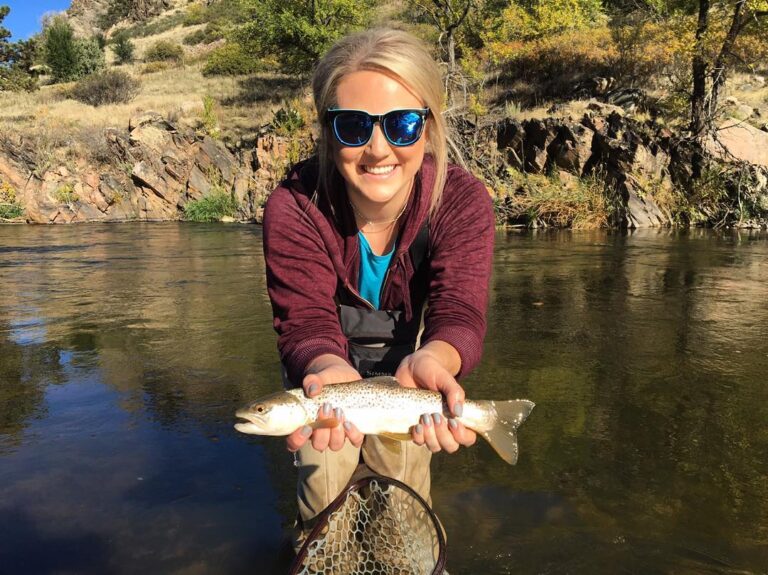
column 378, row 145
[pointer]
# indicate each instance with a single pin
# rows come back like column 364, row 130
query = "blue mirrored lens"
column 353, row 128
column 403, row 128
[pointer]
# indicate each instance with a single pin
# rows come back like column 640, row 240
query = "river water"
column 126, row 349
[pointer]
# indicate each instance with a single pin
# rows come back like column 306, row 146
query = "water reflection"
column 124, row 351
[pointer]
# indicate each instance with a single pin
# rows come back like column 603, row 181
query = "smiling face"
column 378, row 175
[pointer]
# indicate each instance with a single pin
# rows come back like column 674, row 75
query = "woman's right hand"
column 327, row 370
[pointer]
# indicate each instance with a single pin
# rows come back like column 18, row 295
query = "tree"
column 709, row 76
column 298, row 33
column 15, row 60
column 744, row 14
column 61, row 50
column 123, row 48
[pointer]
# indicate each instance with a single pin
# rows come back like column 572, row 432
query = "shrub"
column 123, row 49
column 164, row 51
column 65, row 194
column 211, row 208
column 196, row 14
column 230, row 60
column 109, row 87
column 89, row 56
column 210, row 123
column 9, row 206
column 212, row 32
column 16, row 80
column 154, row 67
column 196, row 37
column 288, row 120
column 550, row 65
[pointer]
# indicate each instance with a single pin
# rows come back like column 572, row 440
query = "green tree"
column 298, row 33
column 61, row 50
column 15, row 60
column 123, row 48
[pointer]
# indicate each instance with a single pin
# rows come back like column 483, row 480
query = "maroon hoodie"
column 312, row 254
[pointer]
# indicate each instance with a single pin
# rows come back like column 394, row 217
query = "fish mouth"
column 250, row 427
column 248, row 423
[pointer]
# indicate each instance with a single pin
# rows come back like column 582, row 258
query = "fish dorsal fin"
column 381, row 380
column 396, row 436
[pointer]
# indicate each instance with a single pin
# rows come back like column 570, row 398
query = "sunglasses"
column 354, row 128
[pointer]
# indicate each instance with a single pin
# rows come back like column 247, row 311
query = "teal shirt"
column 373, row 269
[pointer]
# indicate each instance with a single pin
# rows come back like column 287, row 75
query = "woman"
column 378, row 260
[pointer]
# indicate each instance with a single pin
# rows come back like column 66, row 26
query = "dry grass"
column 243, row 104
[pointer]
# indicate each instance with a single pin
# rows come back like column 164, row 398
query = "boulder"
column 740, row 142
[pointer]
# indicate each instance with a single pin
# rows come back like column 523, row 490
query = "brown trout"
column 381, row 406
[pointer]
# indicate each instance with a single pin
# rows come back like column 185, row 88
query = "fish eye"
column 260, row 409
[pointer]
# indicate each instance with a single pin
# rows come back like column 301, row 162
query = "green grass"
column 10, row 211
column 211, row 208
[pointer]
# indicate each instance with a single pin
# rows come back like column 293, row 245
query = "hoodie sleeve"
column 301, row 281
column 461, row 242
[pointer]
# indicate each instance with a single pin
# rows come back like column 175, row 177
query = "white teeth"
column 378, row 170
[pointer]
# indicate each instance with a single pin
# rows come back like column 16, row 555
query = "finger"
column 443, row 435
column 453, row 394
column 322, row 436
column 320, row 439
column 417, row 434
column 404, row 375
column 312, row 384
column 298, row 438
column 337, row 435
column 429, row 433
column 354, row 435
column 461, row 434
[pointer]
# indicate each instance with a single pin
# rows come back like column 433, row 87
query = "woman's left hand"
column 426, row 368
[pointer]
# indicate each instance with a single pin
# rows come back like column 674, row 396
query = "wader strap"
column 380, row 339
column 419, row 250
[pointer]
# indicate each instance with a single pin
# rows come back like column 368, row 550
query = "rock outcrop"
column 603, row 142
column 84, row 16
column 156, row 169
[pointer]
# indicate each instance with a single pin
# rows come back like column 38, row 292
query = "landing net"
column 377, row 526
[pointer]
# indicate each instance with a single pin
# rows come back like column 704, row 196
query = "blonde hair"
column 394, row 53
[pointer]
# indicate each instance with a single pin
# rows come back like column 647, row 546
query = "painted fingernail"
column 306, row 431
column 453, row 424
column 419, row 429
column 312, row 389
column 437, row 418
column 337, row 413
column 326, row 409
column 458, row 409
column 348, row 425
column 426, row 420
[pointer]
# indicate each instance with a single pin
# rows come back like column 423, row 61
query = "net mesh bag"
column 377, row 526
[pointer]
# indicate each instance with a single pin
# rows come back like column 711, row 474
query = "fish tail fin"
column 503, row 435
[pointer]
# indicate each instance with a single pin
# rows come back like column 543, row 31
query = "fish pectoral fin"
column 329, row 423
column 397, row 436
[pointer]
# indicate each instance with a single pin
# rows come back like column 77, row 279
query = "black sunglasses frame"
column 333, row 113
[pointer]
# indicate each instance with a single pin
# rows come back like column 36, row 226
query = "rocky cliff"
column 150, row 172
column 84, row 15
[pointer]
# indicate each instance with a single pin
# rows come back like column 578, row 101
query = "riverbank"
column 600, row 169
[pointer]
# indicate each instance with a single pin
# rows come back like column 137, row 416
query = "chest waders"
column 380, row 339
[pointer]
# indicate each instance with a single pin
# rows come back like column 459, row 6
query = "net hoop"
column 324, row 518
